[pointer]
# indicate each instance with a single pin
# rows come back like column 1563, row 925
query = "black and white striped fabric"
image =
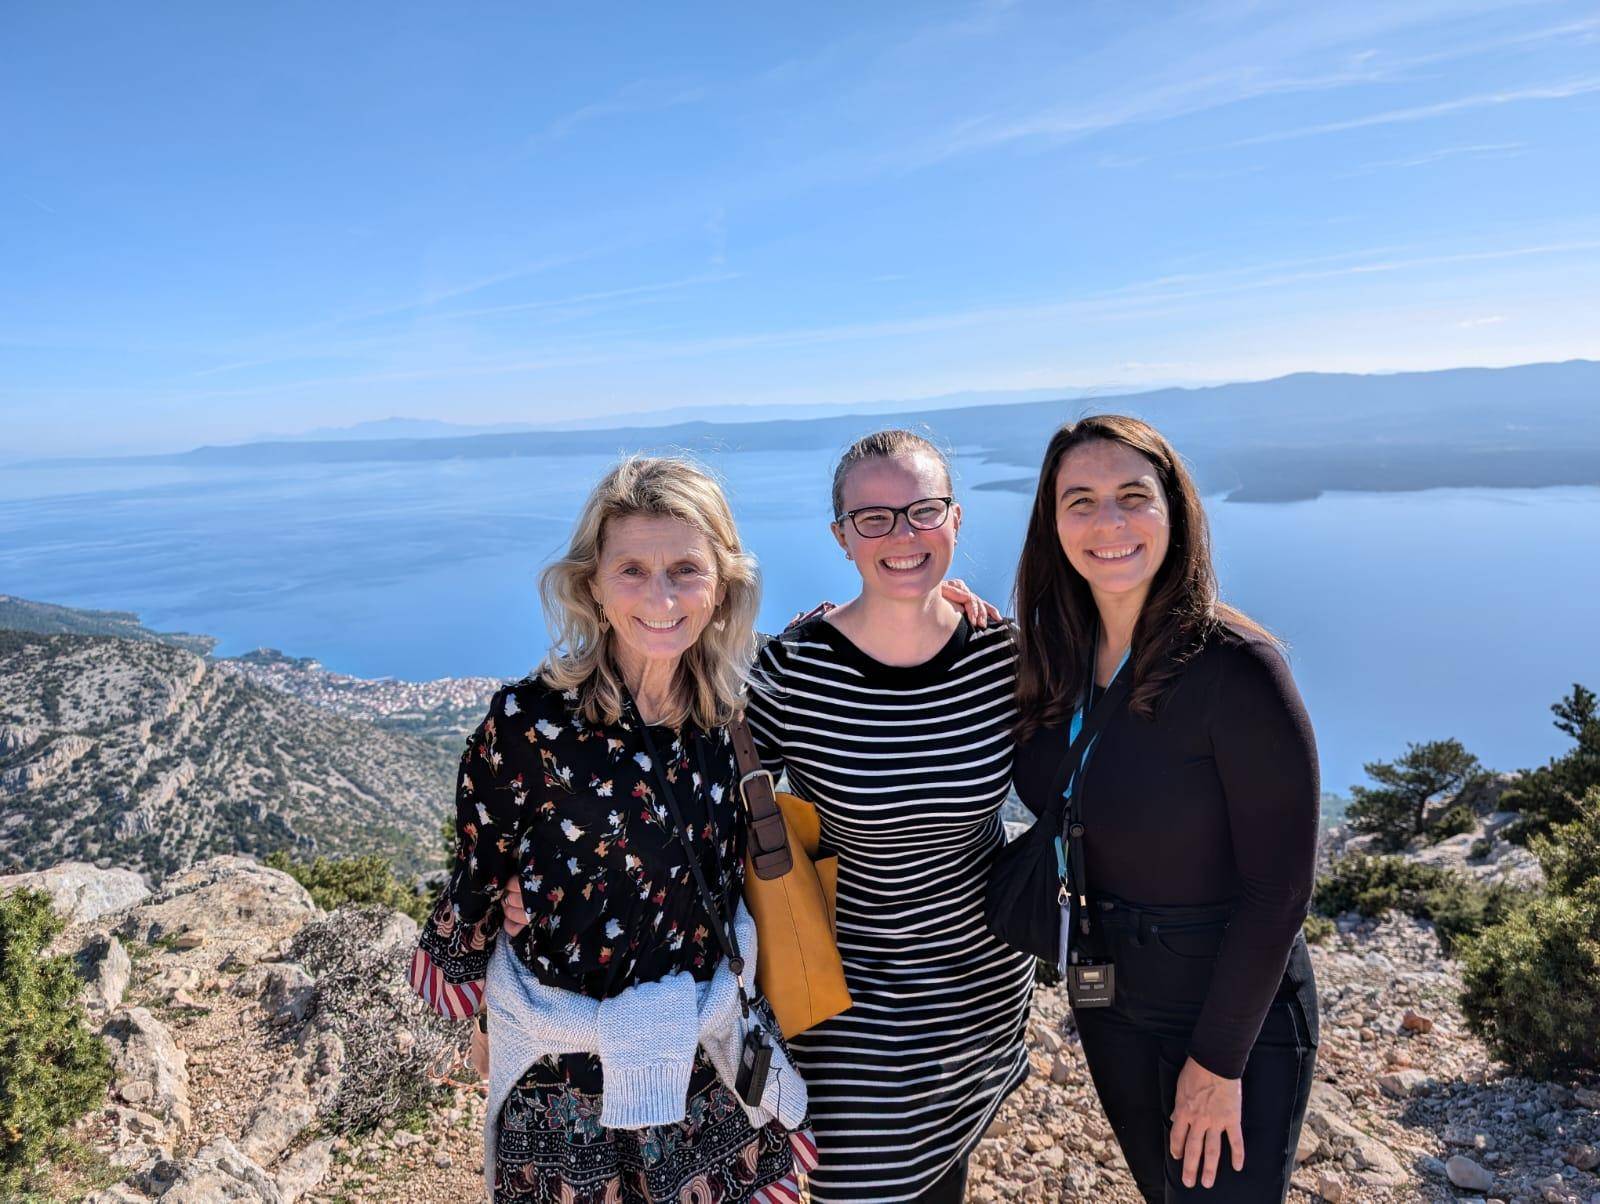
column 908, row 768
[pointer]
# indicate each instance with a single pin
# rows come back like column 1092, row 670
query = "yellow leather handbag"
column 790, row 888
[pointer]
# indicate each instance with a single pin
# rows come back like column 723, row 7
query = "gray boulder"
column 82, row 892
column 148, row 1067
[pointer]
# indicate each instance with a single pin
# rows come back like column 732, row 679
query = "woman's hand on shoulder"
column 1206, row 1109
column 979, row 612
column 805, row 616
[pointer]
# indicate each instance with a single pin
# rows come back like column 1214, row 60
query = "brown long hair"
column 1056, row 614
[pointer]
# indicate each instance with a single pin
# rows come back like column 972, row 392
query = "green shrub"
column 1409, row 792
column 1374, row 886
column 335, row 881
column 52, row 1068
column 1318, row 928
column 1570, row 852
column 1455, row 820
column 1529, row 984
column 1549, row 796
column 1530, row 979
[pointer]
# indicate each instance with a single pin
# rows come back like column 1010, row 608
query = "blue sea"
column 1409, row 616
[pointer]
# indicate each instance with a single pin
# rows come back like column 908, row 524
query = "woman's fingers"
column 979, row 612
column 1236, row 1144
column 1194, row 1148
column 1212, row 1156
column 516, row 916
column 1180, row 1134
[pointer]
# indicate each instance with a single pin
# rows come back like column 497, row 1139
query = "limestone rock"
column 105, row 968
column 304, row 1171
column 1402, row 1084
column 45, row 765
column 82, row 892
column 1465, row 1173
column 220, row 1172
column 288, row 994
column 235, row 902
column 143, row 1051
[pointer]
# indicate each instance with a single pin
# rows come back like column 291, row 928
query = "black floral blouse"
column 574, row 810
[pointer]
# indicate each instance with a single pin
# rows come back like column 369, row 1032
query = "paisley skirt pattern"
column 553, row 1149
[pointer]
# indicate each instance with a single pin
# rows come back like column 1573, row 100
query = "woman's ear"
column 838, row 535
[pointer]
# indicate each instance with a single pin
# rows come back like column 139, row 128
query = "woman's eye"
column 1077, row 503
column 1135, row 499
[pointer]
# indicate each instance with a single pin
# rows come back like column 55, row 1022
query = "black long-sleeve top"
column 1213, row 800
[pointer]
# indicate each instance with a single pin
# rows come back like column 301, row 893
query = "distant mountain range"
column 433, row 428
column 1290, row 438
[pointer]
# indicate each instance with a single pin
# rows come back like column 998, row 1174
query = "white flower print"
column 643, row 760
column 613, row 930
column 511, row 704
column 547, row 729
column 571, row 830
column 483, row 816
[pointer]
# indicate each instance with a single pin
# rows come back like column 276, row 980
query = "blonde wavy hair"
column 711, row 676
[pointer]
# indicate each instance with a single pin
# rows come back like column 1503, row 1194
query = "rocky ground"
column 235, row 1063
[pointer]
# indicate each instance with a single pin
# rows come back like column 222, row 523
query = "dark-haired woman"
column 1188, row 849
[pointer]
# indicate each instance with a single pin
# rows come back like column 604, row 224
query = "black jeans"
column 1164, row 958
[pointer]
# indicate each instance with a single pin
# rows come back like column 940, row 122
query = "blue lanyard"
column 1072, row 736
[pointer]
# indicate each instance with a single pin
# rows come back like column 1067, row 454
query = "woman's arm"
column 453, row 948
column 1266, row 757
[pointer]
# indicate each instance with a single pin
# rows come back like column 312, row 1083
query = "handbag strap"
column 718, row 909
column 769, row 839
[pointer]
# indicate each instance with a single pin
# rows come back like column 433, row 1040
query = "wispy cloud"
column 1489, row 150
column 1446, row 108
column 1474, row 323
column 1142, row 299
column 640, row 96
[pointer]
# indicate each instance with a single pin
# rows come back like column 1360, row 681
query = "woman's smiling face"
column 1111, row 516
column 657, row 583
column 907, row 562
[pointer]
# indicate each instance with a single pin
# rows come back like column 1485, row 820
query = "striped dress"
column 908, row 768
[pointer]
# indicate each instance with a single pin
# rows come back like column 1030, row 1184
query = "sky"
column 219, row 220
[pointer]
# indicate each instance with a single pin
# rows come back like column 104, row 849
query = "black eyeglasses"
column 874, row 522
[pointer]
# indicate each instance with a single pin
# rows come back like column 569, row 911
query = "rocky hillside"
column 46, row 618
column 143, row 755
column 249, row 1032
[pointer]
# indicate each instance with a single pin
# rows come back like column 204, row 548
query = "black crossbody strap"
column 1092, row 727
column 1094, row 723
column 714, row 907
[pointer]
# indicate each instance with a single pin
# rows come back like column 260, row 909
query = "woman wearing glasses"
column 893, row 715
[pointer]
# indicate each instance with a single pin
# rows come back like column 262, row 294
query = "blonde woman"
column 602, row 788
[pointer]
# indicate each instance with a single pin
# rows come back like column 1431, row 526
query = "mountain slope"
column 143, row 755
column 1293, row 437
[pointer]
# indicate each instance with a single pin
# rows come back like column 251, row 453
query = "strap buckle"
column 744, row 785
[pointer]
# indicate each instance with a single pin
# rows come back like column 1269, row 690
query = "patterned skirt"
column 553, row 1149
